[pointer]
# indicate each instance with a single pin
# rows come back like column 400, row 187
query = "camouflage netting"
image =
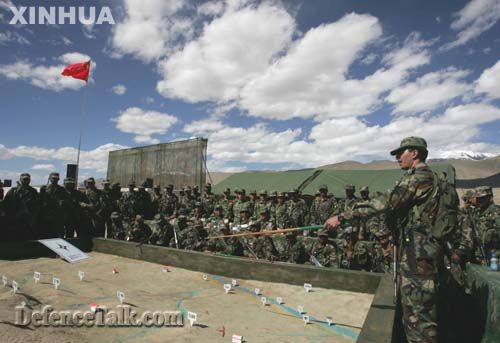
column 309, row 180
column 179, row 163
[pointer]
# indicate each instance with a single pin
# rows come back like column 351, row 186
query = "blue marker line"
column 344, row 331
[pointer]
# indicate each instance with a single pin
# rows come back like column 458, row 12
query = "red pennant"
column 79, row 71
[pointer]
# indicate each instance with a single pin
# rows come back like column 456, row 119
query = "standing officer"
column 421, row 252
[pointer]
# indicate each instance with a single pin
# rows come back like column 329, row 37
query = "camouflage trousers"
column 418, row 300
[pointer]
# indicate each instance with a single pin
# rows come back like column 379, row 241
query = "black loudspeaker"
column 71, row 171
column 149, row 183
column 7, row 183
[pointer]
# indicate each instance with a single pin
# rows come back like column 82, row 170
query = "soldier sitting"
column 117, row 229
column 293, row 250
column 163, row 232
column 324, row 253
column 140, row 231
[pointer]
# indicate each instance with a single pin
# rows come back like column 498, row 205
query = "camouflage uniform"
column 94, row 208
column 143, row 202
column 297, row 210
column 260, row 247
column 260, row 204
column 293, row 250
column 421, row 253
column 227, row 205
column 208, row 200
column 324, row 252
column 127, row 203
column 107, row 203
column 155, row 200
column 21, row 205
column 52, row 199
column 487, row 219
column 139, row 231
column 162, row 231
column 74, row 218
column 193, row 237
column 178, row 226
column 168, row 202
column 118, row 229
column 279, row 214
column 323, row 206
column 241, row 202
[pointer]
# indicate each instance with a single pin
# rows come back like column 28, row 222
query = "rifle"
column 315, row 261
column 273, row 232
column 477, row 239
column 175, row 237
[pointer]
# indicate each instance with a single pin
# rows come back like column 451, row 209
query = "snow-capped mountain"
column 466, row 155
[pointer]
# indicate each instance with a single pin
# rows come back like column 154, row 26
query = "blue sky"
column 271, row 84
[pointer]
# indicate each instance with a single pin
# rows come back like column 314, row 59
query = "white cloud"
column 48, row 167
column 429, row 91
column 149, row 100
column 43, row 76
column 489, row 81
column 311, row 80
column 144, row 123
column 149, row 29
column 66, row 41
column 232, row 49
column 119, row 89
column 96, row 159
column 6, row 5
column 340, row 139
column 475, row 18
column 8, row 36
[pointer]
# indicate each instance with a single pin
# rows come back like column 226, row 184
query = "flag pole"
column 82, row 117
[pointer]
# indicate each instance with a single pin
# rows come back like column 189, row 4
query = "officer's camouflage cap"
column 482, row 191
column 350, row 187
column 227, row 190
column 25, row 175
column 322, row 233
column 410, row 142
column 69, row 180
column 90, row 180
column 263, row 192
column 54, row 174
column 325, row 187
column 364, row 189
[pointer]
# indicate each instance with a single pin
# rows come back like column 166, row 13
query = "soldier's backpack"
column 443, row 206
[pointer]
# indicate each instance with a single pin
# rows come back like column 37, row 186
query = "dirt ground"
column 147, row 286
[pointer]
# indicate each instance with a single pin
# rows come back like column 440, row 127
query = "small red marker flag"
column 79, row 71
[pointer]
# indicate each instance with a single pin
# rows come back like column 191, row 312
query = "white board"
column 64, row 249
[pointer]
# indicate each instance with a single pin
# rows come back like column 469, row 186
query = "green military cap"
column 273, row 193
column 350, row 187
column 482, row 191
column 55, row 174
column 364, row 189
column 138, row 217
column 157, row 187
column 227, row 190
column 106, row 182
column 467, row 195
column 69, row 180
column 170, row 186
column 293, row 190
column 322, row 233
column 159, row 216
column 218, row 207
column 208, row 185
column 237, row 190
column 182, row 217
column 253, row 192
column 197, row 204
column 90, row 180
column 317, row 193
column 281, row 194
column 263, row 192
column 325, row 187
column 195, row 187
column 410, row 142
column 242, row 191
column 330, row 195
column 131, row 184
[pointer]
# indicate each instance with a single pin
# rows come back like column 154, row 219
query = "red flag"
column 78, row 71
